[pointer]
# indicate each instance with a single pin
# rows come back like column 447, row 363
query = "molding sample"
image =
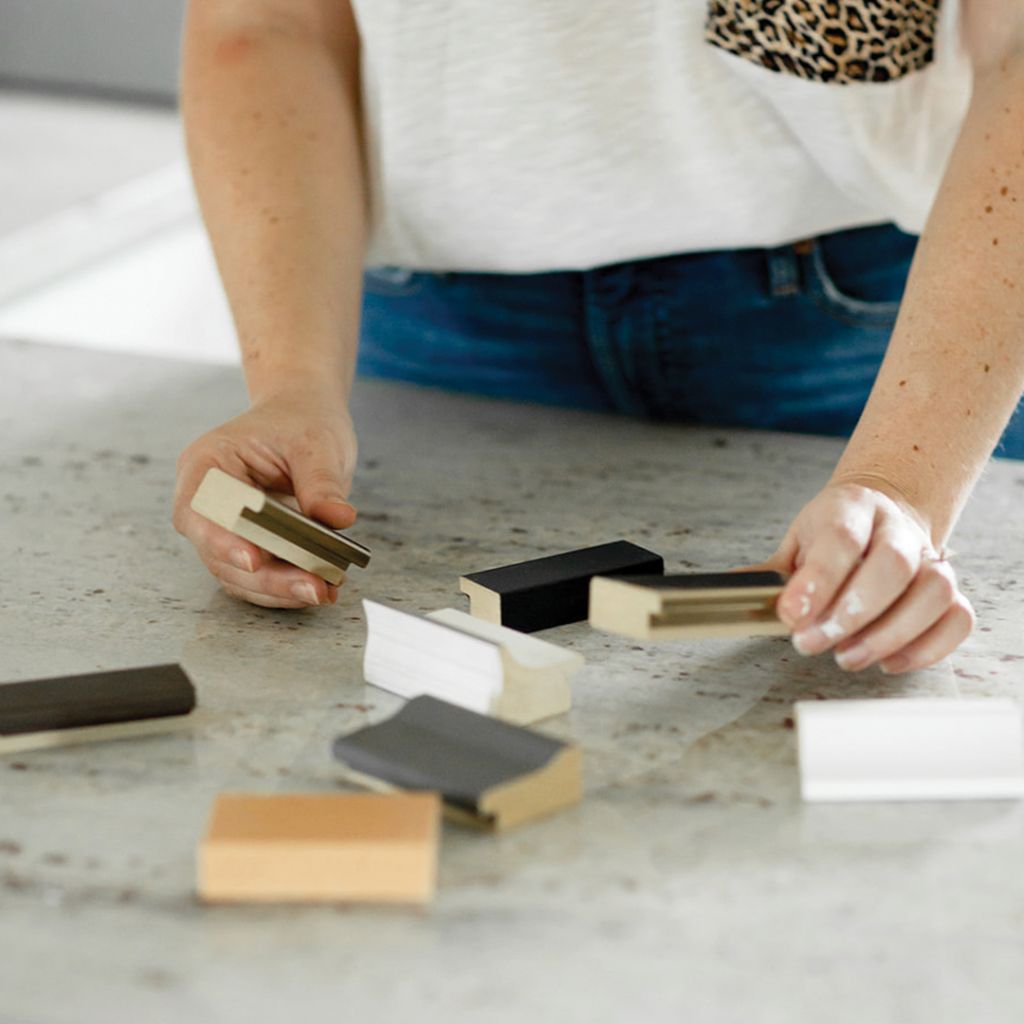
column 688, row 605
column 554, row 590
column 320, row 847
column 489, row 773
column 65, row 710
column 276, row 527
column 924, row 748
column 455, row 657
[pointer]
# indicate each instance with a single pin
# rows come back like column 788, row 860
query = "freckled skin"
column 232, row 50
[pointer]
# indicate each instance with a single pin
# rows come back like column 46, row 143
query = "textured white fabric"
column 566, row 134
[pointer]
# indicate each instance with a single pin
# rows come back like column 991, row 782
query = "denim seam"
column 826, row 296
column 604, row 351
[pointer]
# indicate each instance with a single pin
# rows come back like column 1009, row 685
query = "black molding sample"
column 98, row 698
column 554, row 590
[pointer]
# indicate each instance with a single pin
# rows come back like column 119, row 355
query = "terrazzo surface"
column 691, row 883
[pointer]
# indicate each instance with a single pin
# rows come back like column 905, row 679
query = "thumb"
column 772, row 565
column 320, row 488
column 781, row 561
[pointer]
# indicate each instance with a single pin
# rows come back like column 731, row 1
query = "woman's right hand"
column 302, row 443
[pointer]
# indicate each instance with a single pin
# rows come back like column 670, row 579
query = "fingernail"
column 853, row 657
column 893, row 665
column 796, row 606
column 804, row 642
column 336, row 499
column 242, row 560
column 305, row 592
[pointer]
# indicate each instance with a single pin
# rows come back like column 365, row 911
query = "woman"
column 670, row 208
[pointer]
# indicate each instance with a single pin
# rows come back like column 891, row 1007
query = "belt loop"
column 784, row 268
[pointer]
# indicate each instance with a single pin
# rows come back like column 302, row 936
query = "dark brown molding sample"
column 71, row 709
column 552, row 591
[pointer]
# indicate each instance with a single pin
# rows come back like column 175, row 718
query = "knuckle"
column 900, row 562
column 943, row 586
column 218, row 544
column 221, row 450
column 847, row 540
column 320, row 478
column 184, row 458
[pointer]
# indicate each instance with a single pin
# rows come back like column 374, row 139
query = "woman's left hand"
column 867, row 582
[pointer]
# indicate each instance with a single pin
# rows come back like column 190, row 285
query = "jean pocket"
column 392, row 281
column 837, row 299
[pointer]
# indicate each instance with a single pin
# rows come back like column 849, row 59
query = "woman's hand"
column 299, row 442
column 868, row 583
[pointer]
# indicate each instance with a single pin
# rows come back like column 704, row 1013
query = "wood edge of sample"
column 644, row 610
column 530, row 797
column 366, row 848
column 483, row 603
column 910, row 749
column 522, row 679
column 19, row 743
column 538, row 794
column 276, row 526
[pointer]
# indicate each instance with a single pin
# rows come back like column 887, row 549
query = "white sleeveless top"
column 565, row 134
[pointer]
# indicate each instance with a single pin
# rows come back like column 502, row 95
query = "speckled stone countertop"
column 690, row 885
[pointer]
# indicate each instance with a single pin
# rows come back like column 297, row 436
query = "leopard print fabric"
column 828, row 40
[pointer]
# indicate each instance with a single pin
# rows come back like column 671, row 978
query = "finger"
column 321, row 486
column 262, row 600
column 193, row 464
column 205, row 535
column 278, row 581
column 757, row 567
column 928, row 598
column 942, row 639
column 889, row 567
column 781, row 561
column 215, row 543
column 821, row 572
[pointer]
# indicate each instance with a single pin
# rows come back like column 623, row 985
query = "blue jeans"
column 782, row 339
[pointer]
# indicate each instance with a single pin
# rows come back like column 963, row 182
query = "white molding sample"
column 910, row 749
column 478, row 665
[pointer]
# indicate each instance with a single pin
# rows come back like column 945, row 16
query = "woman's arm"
column 954, row 370
column 866, row 582
column 270, row 101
